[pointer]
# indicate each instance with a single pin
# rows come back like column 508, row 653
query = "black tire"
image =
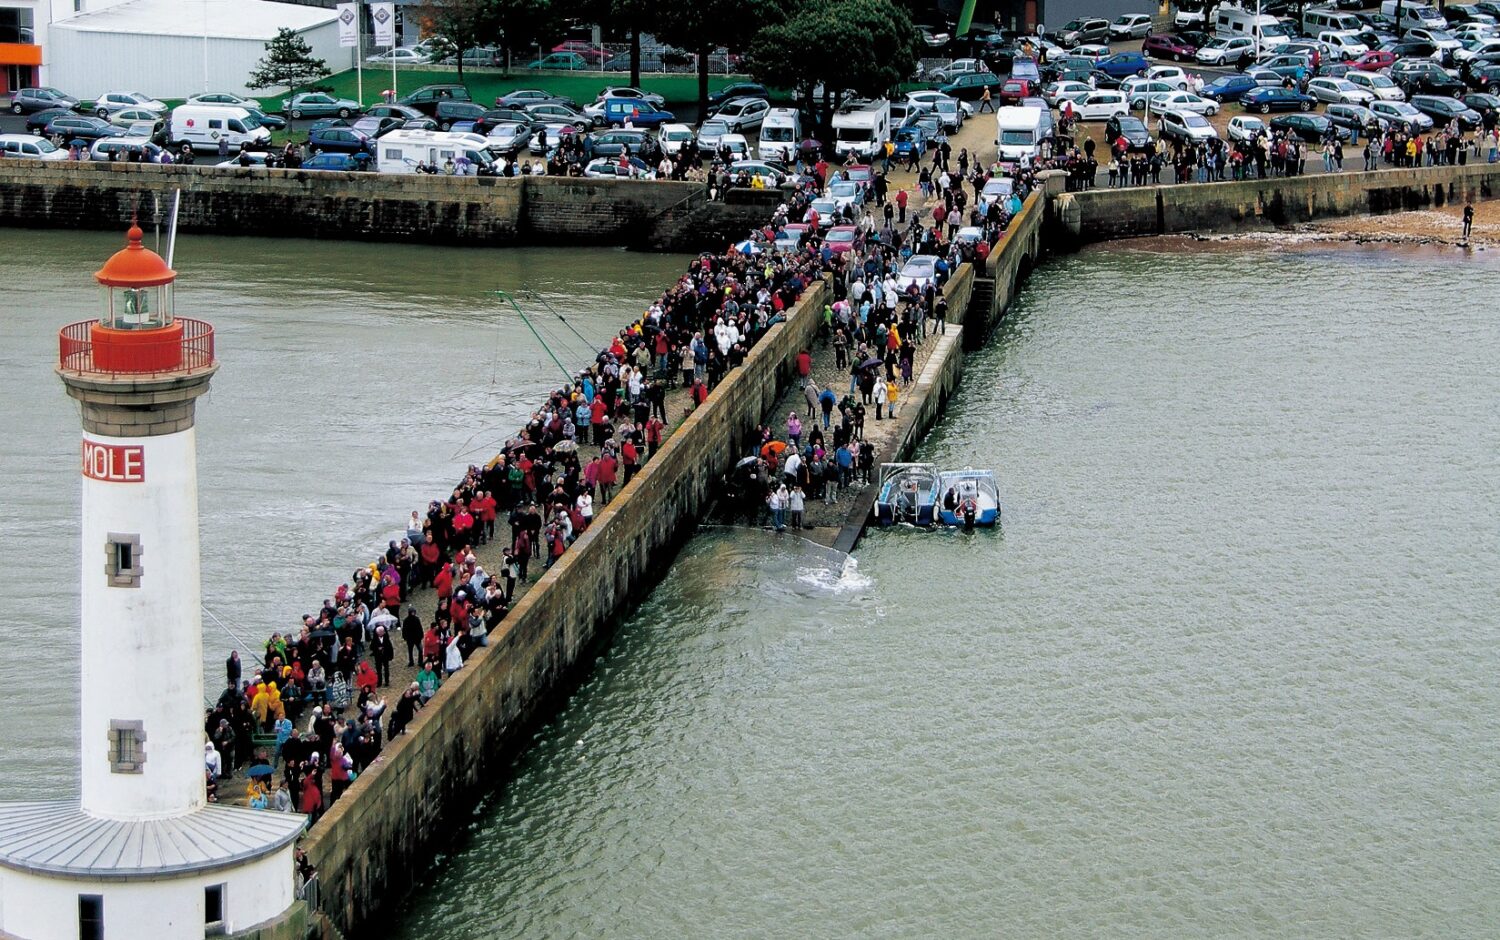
column 1493, row 90
column 344, row 113
column 1304, row 106
column 102, row 112
column 295, row 114
column 1265, row 109
column 1176, row 57
column 15, row 109
column 444, row 125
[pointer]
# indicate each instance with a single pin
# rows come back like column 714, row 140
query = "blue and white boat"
column 968, row 497
column 908, row 493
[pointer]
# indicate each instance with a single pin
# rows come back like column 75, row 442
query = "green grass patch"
column 485, row 85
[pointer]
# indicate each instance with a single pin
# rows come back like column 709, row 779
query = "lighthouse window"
column 213, row 905
column 127, row 747
column 91, row 917
column 122, row 560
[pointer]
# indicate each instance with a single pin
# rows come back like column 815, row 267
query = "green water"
column 1228, row 669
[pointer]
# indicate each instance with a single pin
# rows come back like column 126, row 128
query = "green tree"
column 701, row 26
column 288, row 61
column 880, row 47
column 633, row 17
column 456, row 26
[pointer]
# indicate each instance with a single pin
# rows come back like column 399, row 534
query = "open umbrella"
column 772, row 447
column 565, row 447
column 261, row 770
column 747, row 247
column 872, row 362
column 745, row 462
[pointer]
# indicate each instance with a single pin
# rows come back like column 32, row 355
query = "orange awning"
column 20, row 53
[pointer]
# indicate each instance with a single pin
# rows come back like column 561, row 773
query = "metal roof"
column 219, row 19
column 59, row 838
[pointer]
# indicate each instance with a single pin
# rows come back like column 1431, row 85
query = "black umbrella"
column 872, row 362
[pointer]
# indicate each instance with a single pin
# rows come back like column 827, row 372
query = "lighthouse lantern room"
column 141, row 853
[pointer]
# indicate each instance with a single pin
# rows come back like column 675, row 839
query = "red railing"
column 143, row 353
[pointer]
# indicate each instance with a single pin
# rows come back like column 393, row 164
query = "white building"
column 141, row 855
column 177, row 48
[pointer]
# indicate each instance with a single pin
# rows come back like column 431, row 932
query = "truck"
column 861, row 127
column 1019, row 133
column 402, row 151
column 202, row 126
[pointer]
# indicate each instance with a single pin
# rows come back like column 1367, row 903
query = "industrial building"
column 176, row 48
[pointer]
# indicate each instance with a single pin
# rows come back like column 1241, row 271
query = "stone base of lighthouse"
column 220, row 871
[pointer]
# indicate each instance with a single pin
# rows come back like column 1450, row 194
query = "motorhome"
column 1266, row 30
column 1317, row 19
column 861, row 128
column 1019, row 133
column 404, row 151
column 780, row 133
column 203, row 126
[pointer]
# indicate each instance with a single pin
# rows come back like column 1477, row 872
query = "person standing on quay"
column 1468, row 220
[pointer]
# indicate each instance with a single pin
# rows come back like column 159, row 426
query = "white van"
column 1018, row 135
column 1344, row 45
column 29, row 147
column 861, row 127
column 204, row 125
column 401, row 151
column 1414, row 15
column 780, row 133
column 1315, row 20
column 1265, row 30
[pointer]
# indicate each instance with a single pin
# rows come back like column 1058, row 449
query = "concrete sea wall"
column 396, row 814
column 535, row 210
column 1104, row 214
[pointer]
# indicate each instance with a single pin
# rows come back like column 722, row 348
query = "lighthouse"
column 141, row 853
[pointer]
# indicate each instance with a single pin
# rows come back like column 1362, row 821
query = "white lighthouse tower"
column 142, row 854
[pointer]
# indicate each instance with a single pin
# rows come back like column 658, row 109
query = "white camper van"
column 861, row 128
column 780, row 133
column 1266, row 30
column 204, row 125
column 1019, row 133
column 401, row 151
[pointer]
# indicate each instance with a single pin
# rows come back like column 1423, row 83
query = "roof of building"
column 59, row 838
column 221, row 19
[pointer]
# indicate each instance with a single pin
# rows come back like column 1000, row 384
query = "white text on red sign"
column 114, row 463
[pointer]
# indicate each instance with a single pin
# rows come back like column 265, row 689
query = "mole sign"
column 114, row 463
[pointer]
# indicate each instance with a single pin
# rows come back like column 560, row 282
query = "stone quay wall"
column 403, row 808
column 1103, row 214
column 536, row 210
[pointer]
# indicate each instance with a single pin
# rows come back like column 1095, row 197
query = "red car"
column 841, row 238
column 1015, row 89
column 1374, row 61
column 1168, row 46
column 588, row 50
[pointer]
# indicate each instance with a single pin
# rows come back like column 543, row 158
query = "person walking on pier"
column 1468, row 220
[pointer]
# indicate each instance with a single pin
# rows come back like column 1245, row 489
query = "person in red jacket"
column 432, row 559
column 390, row 592
column 654, row 429
column 443, row 582
column 598, row 414
column 631, row 459
column 608, row 468
column 487, row 508
column 804, row 365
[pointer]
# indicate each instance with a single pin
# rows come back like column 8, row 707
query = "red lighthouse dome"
column 135, row 265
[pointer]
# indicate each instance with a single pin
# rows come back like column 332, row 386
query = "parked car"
column 125, row 150
column 112, row 101
column 1055, row 93
column 1266, row 100
column 128, row 116
column 1374, row 61
column 340, row 139
column 78, row 126
column 1168, row 46
column 612, row 168
column 675, row 138
column 1443, row 109
column 625, row 91
column 1378, row 84
column 1229, row 87
column 1309, row 127
column 377, row 127
column 1171, row 74
column 399, row 111
column 1102, row 105
column 971, row 87
column 951, row 112
column 1265, row 78
column 493, row 116
column 154, row 131
column 524, row 97
column 569, row 61
column 1185, row 126
column 508, row 137
column 1227, row 51
column 1486, row 103
column 1245, row 127
column 918, row 271
column 1143, row 91
column 1355, row 117
column 426, row 98
column 29, row 147
column 708, row 136
column 1187, row 101
column 1077, row 32
column 1340, row 90
column 32, row 100
column 1425, row 78
column 738, row 90
column 1294, row 67
column 742, row 114
column 318, row 104
column 1012, row 90
column 398, row 56
column 37, row 123
column 1122, row 64
column 791, row 236
column 1403, row 115
column 911, row 139
column 947, row 73
column 615, row 142
column 1130, row 26
column 449, row 113
column 226, row 98
column 1486, row 77
column 1130, row 127
column 638, row 113
column 841, row 238
column 341, row 162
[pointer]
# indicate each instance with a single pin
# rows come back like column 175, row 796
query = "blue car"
column 1122, row 64
column 1229, row 87
column 340, row 139
column 911, row 139
column 1266, row 100
column 638, row 112
column 337, row 161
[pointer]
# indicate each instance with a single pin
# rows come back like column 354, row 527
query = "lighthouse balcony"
column 89, row 349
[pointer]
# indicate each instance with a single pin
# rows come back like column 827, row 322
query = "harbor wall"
column 496, row 211
column 1103, row 214
column 402, row 808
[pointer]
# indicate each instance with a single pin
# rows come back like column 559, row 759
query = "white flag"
column 384, row 15
column 348, row 24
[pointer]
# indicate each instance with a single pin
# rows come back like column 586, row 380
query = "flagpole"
column 359, row 52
